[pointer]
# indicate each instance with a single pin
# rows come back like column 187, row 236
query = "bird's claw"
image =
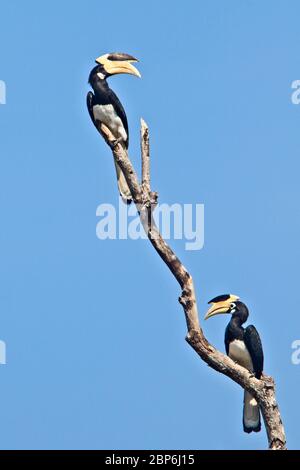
column 114, row 143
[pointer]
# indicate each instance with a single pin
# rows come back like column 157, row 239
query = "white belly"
column 106, row 114
column 240, row 354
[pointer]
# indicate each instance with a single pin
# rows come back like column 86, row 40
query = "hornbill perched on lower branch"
column 243, row 345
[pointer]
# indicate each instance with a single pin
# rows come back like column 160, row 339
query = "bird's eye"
column 233, row 305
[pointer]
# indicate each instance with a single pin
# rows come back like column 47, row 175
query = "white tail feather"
column 251, row 414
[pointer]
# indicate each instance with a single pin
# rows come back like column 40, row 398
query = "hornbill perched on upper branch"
column 243, row 345
column 105, row 107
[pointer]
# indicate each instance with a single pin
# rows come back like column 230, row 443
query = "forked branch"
column 145, row 200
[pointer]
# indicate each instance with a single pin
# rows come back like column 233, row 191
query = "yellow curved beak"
column 118, row 63
column 220, row 307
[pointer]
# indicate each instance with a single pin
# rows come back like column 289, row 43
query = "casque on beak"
column 220, row 307
column 118, row 62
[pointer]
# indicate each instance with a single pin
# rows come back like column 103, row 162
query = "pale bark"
column 264, row 389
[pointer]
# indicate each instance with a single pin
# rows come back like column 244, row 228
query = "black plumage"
column 254, row 346
column 249, row 335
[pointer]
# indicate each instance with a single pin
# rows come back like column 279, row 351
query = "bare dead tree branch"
column 264, row 389
column 145, row 151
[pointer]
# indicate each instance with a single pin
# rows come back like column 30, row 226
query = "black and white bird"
column 243, row 345
column 105, row 107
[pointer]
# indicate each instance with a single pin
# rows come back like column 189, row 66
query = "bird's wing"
column 254, row 346
column 227, row 339
column 89, row 102
column 91, row 99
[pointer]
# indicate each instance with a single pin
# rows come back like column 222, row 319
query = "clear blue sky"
column 96, row 356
